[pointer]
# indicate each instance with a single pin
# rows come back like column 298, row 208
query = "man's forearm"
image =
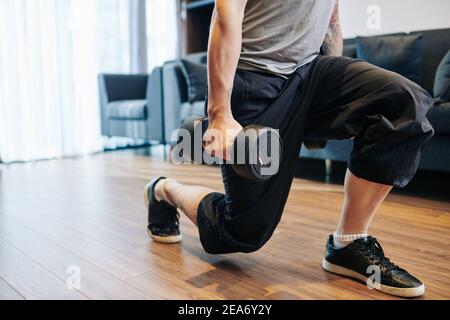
column 223, row 54
column 334, row 41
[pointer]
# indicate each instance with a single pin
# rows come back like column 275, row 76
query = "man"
column 265, row 68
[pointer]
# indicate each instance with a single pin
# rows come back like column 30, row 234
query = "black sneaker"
column 364, row 260
column 163, row 219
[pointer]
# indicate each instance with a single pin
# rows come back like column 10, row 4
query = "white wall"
column 395, row 16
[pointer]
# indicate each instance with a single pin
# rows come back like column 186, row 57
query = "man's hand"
column 220, row 136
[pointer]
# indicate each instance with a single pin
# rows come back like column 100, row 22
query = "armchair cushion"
column 192, row 109
column 197, row 80
column 349, row 50
column 127, row 110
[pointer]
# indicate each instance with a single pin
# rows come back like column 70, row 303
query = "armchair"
column 131, row 106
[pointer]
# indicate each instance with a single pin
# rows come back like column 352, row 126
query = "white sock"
column 342, row 240
column 159, row 189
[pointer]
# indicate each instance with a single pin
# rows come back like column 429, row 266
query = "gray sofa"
column 435, row 157
column 175, row 96
column 131, row 106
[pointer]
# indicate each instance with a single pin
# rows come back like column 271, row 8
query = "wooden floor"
column 88, row 215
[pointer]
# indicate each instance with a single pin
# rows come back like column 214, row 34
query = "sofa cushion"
column 349, row 50
column 439, row 117
column 197, row 80
column 190, row 109
column 398, row 53
column 199, row 57
column 442, row 82
column 127, row 110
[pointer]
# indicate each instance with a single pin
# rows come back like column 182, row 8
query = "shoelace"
column 175, row 217
column 375, row 252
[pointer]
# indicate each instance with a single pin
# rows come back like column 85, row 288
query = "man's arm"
column 334, row 42
column 224, row 50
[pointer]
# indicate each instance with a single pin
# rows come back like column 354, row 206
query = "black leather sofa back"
column 436, row 45
column 436, row 155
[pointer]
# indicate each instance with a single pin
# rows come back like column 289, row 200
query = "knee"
column 250, row 237
column 234, row 244
column 410, row 100
column 235, row 236
column 405, row 106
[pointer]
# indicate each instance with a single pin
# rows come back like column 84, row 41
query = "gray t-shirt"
column 279, row 36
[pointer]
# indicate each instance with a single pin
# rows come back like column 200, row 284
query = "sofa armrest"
column 155, row 107
column 174, row 95
column 439, row 116
column 103, row 101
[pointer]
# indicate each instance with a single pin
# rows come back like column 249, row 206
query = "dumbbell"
column 257, row 150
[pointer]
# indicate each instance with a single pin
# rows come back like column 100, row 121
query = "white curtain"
column 162, row 31
column 51, row 52
column 122, row 36
column 138, row 36
column 48, row 88
column 113, row 36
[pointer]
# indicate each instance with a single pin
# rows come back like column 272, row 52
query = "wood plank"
column 91, row 210
column 7, row 292
column 99, row 255
column 87, row 218
column 30, row 279
column 95, row 282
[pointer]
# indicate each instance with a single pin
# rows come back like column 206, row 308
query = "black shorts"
column 331, row 98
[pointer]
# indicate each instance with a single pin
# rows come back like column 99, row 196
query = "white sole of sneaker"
column 399, row 292
column 165, row 240
column 159, row 239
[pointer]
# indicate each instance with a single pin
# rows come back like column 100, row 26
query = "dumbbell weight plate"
column 263, row 153
column 196, row 126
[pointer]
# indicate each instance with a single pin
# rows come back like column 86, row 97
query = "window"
column 113, row 36
column 162, row 31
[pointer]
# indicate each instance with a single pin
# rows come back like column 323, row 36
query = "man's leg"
column 185, row 198
column 245, row 217
column 361, row 201
column 385, row 113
